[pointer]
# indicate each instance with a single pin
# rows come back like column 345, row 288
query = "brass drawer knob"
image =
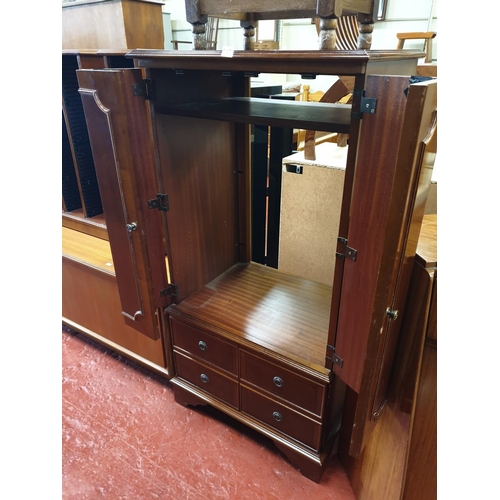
column 202, row 345
column 278, row 382
column 277, row 416
column 204, row 378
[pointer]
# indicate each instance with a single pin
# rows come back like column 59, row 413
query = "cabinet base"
column 309, row 463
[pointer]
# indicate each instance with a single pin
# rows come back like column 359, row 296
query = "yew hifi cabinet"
column 171, row 141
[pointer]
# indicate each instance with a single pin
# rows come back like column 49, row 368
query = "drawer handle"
column 202, row 345
column 204, row 378
column 278, row 382
column 277, row 416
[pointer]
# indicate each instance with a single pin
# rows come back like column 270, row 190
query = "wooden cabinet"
column 135, row 23
column 171, row 144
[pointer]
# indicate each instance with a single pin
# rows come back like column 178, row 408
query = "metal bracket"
column 144, row 89
column 349, row 253
column 332, row 357
column 172, row 290
column 367, row 105
column 160, row 202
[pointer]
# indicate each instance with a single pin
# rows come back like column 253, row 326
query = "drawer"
column 280, row 417
column 205, row 346
column 283, row 383
column 221, row 386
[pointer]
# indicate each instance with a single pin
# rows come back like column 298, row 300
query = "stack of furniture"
column 277, row 352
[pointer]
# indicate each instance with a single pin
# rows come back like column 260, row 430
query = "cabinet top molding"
column 85, row 2
column 324, row 62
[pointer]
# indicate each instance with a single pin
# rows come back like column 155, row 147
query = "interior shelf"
column 268, row 112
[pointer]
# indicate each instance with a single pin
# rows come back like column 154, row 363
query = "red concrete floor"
column 124, row 437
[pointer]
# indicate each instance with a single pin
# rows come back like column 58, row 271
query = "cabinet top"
column 76, row 3
column 322, row 62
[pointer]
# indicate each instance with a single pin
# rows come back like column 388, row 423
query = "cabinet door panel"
column 123, row 153
column 382, row 221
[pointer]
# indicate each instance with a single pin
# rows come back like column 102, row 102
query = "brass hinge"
column 144, row 89
column 160, row 202
column 332, row 357
column 348, row 253
column 172, row 290
column 366, row 105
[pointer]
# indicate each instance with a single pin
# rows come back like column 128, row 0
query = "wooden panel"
column 396, row 217
column 90, row 301
column 281, row 417
column 207, row 379
column 278, row 311
column 298, row 390
column 269, row 112
column 283, row 10
column 122, row 147
column 198, row 171
column 135, row 23
column 70, row 190
column 310, row 213
column 421, row 476
column 380, row 470
column 376, row 163
column 89, row 250
column 212, row 350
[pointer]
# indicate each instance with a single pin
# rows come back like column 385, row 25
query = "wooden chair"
column 426, row 36
column 249, row 12
column 210, row 38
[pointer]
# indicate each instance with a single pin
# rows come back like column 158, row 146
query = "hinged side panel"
column 382, row 225
column 124, row 159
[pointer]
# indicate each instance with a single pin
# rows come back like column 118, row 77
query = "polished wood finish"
column 207, row 379
column 135, row 23
column 271, row 319
column 138, row 253
column 413, row 170
column 283, row 313
column 207, row 348
column 91, row 303
column 399, row 460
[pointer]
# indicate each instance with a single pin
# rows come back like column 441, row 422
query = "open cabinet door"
column 392, row 180
column 118, row 123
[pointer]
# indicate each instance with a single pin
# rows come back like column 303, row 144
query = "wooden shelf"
column 275, row 310
column 269, row 112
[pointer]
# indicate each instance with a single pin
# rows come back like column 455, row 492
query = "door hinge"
column 332, row 357
column 160, row 202
column 348, row 253
column 366, row 105
column 144, row 89
column 172, row 290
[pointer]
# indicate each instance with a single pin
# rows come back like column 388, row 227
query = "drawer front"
column 283, row 383
column 281, row 418
column 205, row 346
column 211, row 381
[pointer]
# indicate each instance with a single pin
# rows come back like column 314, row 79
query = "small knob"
column 277, row 416
column 278, row 382
column 392, row 313
column 202, row 345
column 204, row 378
column 131, row 227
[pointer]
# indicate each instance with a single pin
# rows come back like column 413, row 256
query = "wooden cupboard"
column 171, row 144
